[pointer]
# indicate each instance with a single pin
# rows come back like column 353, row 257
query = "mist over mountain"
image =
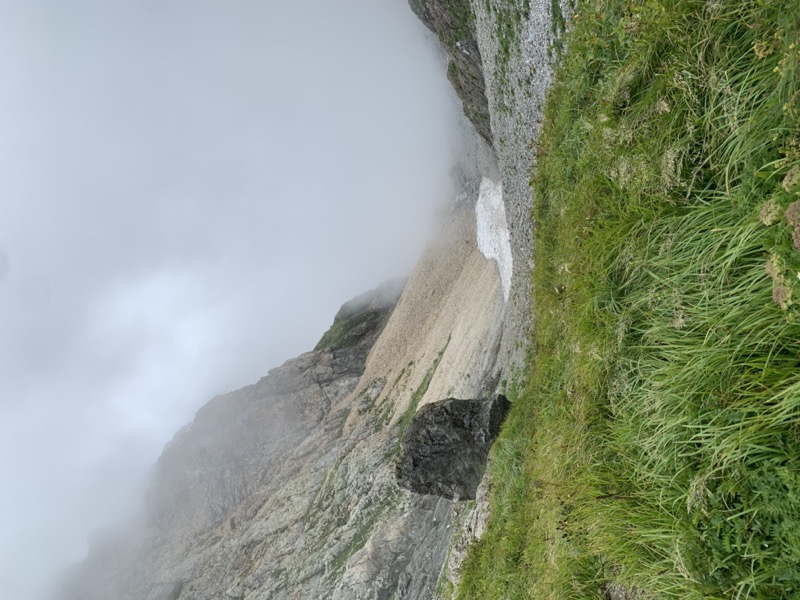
column 189, row 192
column 219, row 179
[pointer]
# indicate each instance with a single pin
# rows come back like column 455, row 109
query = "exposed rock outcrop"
column 446, row 446
column 361, row 316
column 239, row 441
column 286, row 488
column 261, row 496
column 454, row 24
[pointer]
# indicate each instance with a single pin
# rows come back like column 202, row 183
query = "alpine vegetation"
column 654, row 451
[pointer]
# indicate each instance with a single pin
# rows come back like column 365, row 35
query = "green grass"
column 657, row 442
column 348, row 330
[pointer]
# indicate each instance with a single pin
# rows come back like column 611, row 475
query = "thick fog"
column 189, row 190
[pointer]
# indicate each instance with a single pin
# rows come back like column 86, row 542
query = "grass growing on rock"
column 348, row 330
column 657, row 442
column 419, row 393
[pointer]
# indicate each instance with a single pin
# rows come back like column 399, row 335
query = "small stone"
column 617, row 591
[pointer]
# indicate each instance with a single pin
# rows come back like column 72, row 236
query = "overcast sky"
column 189, row 189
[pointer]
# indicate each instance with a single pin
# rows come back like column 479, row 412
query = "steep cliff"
column 286, row 488
column 453, row 22
column 248, row 478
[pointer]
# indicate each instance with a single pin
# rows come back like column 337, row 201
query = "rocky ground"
column 518, row 46
column 517, row 42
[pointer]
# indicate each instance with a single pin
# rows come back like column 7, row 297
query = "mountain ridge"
column 286, row 488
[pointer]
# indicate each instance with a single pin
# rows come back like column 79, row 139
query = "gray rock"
column 286, row 488
column 261, row 496
column 361, row 316
column 454, row 24
column 446, row 446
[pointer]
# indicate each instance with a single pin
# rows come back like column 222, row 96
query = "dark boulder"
column 446, row 445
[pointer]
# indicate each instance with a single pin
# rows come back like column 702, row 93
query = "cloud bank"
column 188, row 190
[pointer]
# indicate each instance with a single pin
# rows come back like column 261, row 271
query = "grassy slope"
column 657, row 442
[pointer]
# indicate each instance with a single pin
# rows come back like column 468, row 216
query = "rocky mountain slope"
column 286, row 488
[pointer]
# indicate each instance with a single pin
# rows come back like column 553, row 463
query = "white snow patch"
column 493, row 239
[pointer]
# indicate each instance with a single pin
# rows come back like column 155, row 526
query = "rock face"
column 454, row 24
column 240, row 441
column 446, row 446
column 282, row 489
column 286, row 488
column 362, row 316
